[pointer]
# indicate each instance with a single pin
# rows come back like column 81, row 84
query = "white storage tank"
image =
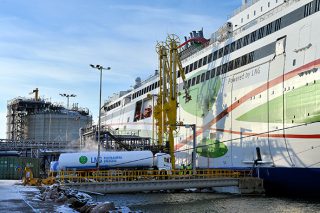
column 87, row 160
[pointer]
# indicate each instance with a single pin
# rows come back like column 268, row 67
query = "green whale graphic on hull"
column 211, row 148
column 204, row 95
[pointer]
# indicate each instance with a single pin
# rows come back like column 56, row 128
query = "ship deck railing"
column 265, row 16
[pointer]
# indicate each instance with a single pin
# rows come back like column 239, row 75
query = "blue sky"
column 50, row 44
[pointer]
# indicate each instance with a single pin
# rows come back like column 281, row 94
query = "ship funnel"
column 138, row 82
column 186, row 39
column 200, row 33
column 194, row 34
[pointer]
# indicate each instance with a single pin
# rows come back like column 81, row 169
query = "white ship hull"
column 268, row 104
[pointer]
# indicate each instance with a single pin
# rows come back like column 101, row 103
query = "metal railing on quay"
column 35, row 144
column 66, row 177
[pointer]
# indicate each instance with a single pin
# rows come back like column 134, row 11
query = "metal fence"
column 145, row 175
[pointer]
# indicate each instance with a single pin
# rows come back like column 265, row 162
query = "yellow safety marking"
column 145, row 175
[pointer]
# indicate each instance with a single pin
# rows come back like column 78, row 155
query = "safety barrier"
column 146, row 175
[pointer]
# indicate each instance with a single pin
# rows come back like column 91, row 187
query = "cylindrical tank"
column 88, row 160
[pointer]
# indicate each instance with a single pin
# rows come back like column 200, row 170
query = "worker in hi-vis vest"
column 189, row 168
column 182, row 168
column 27, row 175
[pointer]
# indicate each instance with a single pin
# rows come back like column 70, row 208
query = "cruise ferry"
column 255, row 88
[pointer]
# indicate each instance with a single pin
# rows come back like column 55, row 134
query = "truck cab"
column 162, row 161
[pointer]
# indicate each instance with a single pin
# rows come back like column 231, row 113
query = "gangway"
column 125, row 181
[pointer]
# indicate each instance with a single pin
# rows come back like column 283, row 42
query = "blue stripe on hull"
column 290, row 181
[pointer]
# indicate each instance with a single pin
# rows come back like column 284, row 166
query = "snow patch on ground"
column 8, row 191
column 13, row 196
column 27, row 188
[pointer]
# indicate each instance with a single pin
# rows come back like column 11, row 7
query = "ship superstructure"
column 255, row 95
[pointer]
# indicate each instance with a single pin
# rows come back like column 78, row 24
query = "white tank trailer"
column 114, row 160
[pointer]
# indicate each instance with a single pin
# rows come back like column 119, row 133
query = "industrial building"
column 40, row 120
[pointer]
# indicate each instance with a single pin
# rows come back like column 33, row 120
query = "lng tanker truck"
column 112, row 160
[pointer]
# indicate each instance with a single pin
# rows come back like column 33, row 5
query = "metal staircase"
column 113, row 139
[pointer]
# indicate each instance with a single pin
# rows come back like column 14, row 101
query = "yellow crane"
column 165, row 110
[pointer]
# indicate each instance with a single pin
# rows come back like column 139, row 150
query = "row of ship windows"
column 317, row 5
column 242, row 42
column 146, row 90
column 236, row 45
column 308, row 8
column 227, row 67
column 247, row 39
column 115, row 105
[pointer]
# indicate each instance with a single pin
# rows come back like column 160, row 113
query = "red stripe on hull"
column 250, row 94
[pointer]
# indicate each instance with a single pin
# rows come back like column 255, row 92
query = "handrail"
column 36, row 144
column 66, row 177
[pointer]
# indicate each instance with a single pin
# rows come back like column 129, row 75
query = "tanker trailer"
column 113, row 160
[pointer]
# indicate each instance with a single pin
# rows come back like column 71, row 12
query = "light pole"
column 100, row 68
column 67, row 96
column 193, row 127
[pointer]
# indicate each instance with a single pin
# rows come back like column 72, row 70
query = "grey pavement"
column 12, row 199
